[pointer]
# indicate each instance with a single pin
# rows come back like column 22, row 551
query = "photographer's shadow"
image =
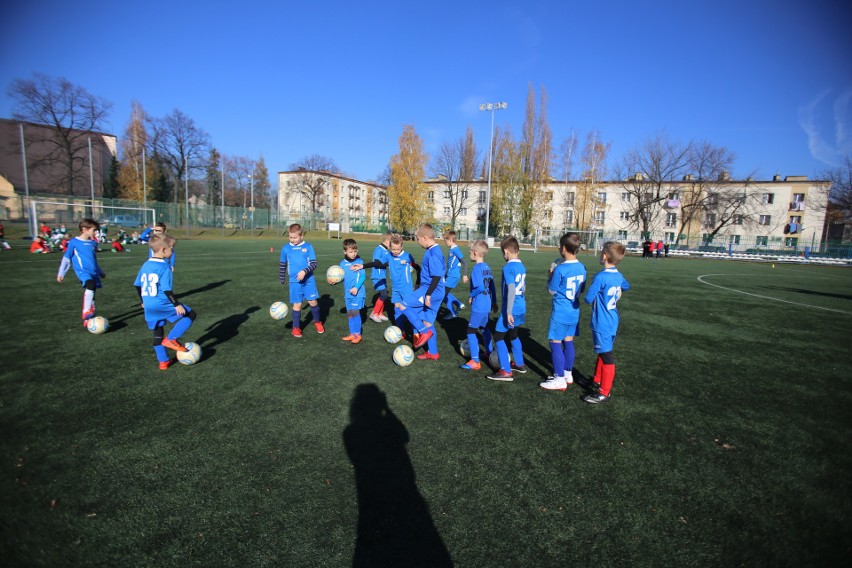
column 394, row 524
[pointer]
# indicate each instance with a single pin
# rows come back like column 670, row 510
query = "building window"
column 761, row 241
column 622, row 235
column 734, row 239
column 624, row 216
column 712, row 199
column 464, row 194
column 602, row 197
column 481, row 197
column 737, row 220
column 798, row 197
column 670, row 237
column 791, row 241
column 480, row 213
column 768, row 198
column 671, row 219
column 447, row 212
column 706, row 238
column 675, row 196
column 463, row 211
column 796, row 219
column 569, row 218
column 710, row 220
column 625, row 196
column 764, row 220
column 430, row 197
column 600, row 217
column 569, row 199
column 446, row 194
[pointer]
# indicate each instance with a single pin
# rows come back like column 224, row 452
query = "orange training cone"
column 270, row 249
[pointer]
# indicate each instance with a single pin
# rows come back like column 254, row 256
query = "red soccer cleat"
column 297, row 332
column 356, row 338
column 165, row 364
column 172, row 344
column 429, row 356
column 319, row 326
column 422, row 338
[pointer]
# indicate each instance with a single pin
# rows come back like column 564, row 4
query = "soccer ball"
column 334, row 274
column 403, row 355
column 494, row 359
column 464, row 348
column 98, row 325
column 393, row 334
column 278, row 310
column 192, row 354
column 555, row 263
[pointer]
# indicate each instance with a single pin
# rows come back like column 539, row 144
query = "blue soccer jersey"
column 567, row 284
column 514, row 274
column 455, row 259
column 433, row 266
column 154, row 280
column 603, row 294
column 399, row 269
column 379, row 275
column 481, row 288
column 353, row 279
column 80, row 255
column 297, row 258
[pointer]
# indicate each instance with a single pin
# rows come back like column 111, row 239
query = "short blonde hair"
column 396, row 239
column 479, row 248
column 296, row 228
column 613, row 251
column 159, row 241
column 426, row 231
column 450, row 235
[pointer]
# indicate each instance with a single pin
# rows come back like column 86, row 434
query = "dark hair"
column 510, row 244
column 349, row 243
column 87, row 223
column 570, row 242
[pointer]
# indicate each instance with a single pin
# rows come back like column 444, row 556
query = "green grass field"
column 726, row 442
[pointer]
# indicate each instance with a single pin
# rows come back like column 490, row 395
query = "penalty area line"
column 701, row 279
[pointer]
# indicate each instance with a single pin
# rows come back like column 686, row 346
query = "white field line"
column 701, row 279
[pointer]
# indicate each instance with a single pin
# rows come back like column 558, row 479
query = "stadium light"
column 490, row 107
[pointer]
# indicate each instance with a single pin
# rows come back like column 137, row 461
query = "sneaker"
column 460, row 308
column 383, row 317
column 429, row 356
column 554, row 383
column 421, row 339
column 349, row 337
column 595, row 398
column 319, row 326
column 569, row 378
column 165, row 364
column 501, row 375
column 516, row 369
column 87, row 316
column 356, row 338
column 297, row 332
column 173, row 344
column 376, row 318
column 472, row 365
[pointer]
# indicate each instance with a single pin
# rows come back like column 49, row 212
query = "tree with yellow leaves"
column 408, row 206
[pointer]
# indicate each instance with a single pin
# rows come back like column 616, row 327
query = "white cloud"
column 818, row 141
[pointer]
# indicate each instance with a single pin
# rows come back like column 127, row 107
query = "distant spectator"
column 117, row 246
column 659, row 248
column 39, row 246
column 44, row 230
column 63, row 244
column 3, row 243
column 666, row 247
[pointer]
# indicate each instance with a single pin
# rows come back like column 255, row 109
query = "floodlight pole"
column 30, row 222
column 491, row 107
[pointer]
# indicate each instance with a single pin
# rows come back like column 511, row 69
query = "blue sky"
column 769, row 79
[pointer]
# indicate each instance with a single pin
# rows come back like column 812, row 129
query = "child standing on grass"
column 455, row 264
column 482, row 300
column 603, row 294
column 512, row 312
column 402, row 282
column 154, row 286
column 353, row 288
column 566, row 284
column 421, row 306
column 381, row 257
column 81, row 255
column 299, row 260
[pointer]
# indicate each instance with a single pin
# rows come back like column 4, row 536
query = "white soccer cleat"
column 376, row 318
column 554, row 383
column 383, row 317
column 569, row 378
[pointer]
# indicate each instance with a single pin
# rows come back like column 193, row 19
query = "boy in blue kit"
column 353, row 288
column 483, row 299
column 566, row 284
column 81, row 255
column 154, row 286
column 381, row 257
column 299, row 260
column 160, row 229
column 512, row 312
column 421, row 306
column 455, row 264
column 603, row 294
column 401, row 279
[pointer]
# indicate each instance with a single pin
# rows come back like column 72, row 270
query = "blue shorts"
column 478, row 320
column 354, row 302
column 381, row 284
column 398, row 296
column 304, row 290
column 159, row 318
column 415, row 301
column 452, row 282
column 559, row 330
column 603, row 342
column 502, row 324
column 85, row 276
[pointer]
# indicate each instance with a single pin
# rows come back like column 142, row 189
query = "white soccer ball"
column 393, row 334
column 98, row 325
column 403, row 355
column 334, row 274
column 464, row 348
column 494, row 359
column 278, row 310
column 192, row 354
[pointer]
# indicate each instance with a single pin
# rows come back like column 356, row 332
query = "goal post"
column 549, row 238
column 65, row 212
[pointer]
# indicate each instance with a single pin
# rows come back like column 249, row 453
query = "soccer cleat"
column 554, row 383
column 165, row 364
column 349, row 337
column 595, row 398
column 518, row 369
column 297, row 332
column 421, row 339
column 319, row 326
column 472, row 365
column 383, row 317
column 501, row 375
column 429, row 356
column 356, row 338
column 569, row 378
column 87, row 316
column 376, row 318
column 173, row 344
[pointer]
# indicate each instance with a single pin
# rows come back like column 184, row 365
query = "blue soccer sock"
column 486, row 339
column 568, row 352
column 355, row 325
column 315, row 313
column 558, row 358
column 518, row 352
column 503, row 354
column 432, row 344
column 162, row 355
column 452, row 302
column 473, row 343
column 297, row 319
column 180, row 328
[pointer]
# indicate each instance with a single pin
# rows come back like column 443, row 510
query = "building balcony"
column 797, row 206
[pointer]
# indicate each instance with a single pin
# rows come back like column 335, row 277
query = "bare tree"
column 313, row 178
column 841, row 185
column 454, row 165
column 594, row 165
column 536, row 153
column 727, row 205
column 180, row 145
column 708, row 168
column 72, row 115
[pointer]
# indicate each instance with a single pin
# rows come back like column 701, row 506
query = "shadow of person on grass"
column 394, row 524
column 201, row 289
column 225, row 329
